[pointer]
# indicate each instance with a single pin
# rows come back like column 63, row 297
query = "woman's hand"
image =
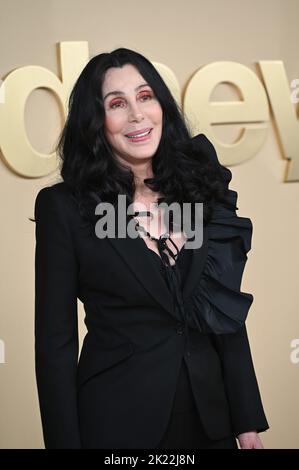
column 250, row 440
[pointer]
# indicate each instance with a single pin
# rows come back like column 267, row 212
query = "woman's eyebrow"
column 118, row 92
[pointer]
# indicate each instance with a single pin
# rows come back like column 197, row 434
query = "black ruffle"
column 217, row 305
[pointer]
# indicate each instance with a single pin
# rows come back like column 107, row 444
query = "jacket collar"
column 135, row 253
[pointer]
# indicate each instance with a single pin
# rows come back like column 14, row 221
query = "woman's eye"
column 115, row 104
column 145, row 96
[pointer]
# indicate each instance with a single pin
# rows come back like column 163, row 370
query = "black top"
column 183, row 400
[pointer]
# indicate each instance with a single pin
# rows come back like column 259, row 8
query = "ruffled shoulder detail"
column 217, row 305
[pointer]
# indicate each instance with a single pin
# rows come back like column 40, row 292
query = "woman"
column 166, row 361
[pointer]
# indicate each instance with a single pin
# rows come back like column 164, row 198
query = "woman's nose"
column 135, row 113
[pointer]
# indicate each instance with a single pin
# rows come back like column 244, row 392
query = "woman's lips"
column 140, row 139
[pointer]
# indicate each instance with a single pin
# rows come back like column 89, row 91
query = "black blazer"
column 119, row 394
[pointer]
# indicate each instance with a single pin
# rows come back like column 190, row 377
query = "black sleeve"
column 240, row 381
column 56, row 326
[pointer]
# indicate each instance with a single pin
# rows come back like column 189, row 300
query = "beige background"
column 184, row 36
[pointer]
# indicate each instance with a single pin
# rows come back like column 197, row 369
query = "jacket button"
column 180, row 329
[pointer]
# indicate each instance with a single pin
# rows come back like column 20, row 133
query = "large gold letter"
column 284, row 112
column 252, row 109
column 20, row 156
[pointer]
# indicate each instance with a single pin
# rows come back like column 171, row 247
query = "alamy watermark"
column 294, row 356
column 181, row 219
column 2, row 92
column 2, row 351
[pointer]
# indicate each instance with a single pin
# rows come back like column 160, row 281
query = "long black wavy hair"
column 88, row 167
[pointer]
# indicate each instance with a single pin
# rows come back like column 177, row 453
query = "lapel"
column 135, row 253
